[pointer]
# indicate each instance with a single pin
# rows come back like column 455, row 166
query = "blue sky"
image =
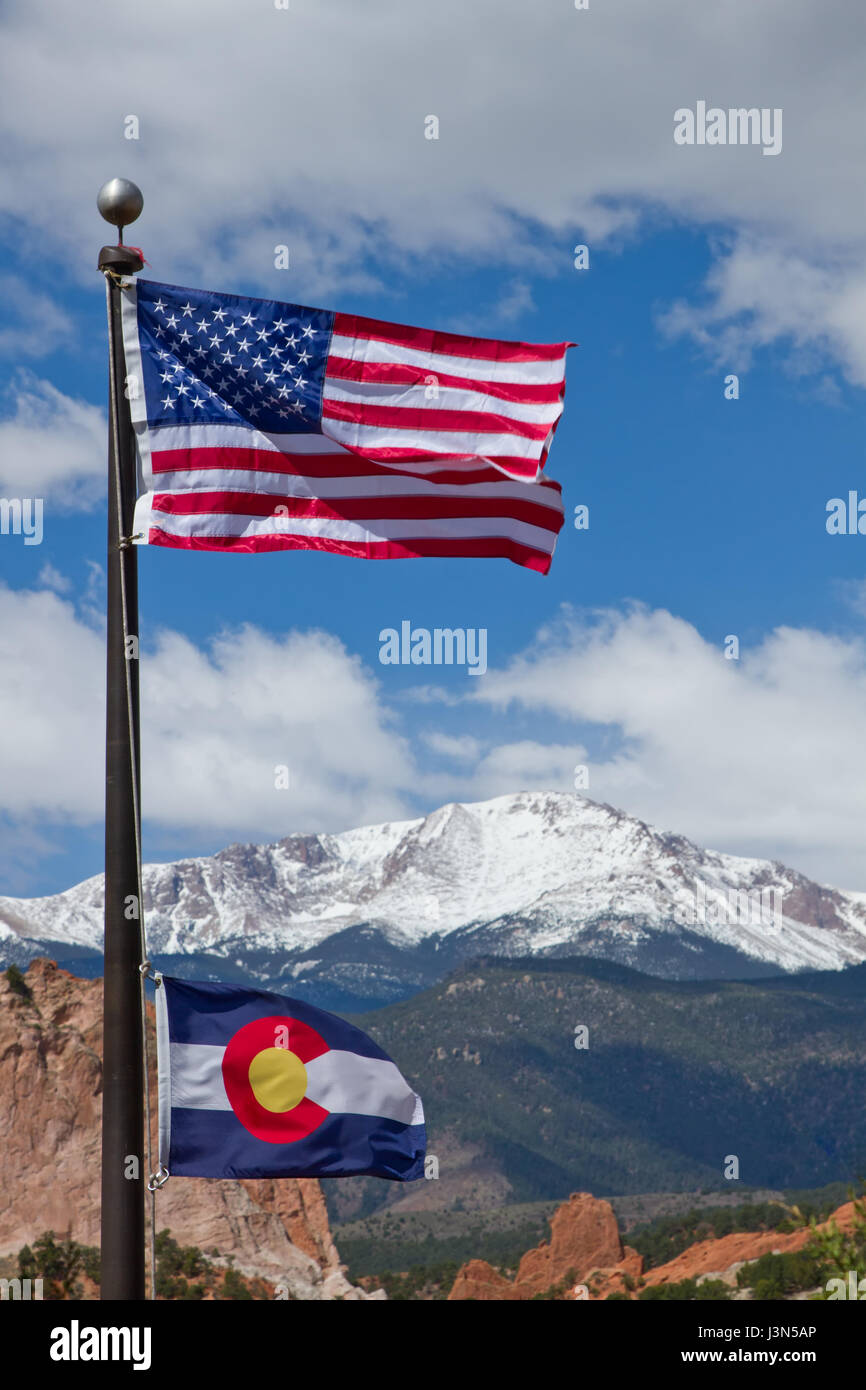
column 707, row 516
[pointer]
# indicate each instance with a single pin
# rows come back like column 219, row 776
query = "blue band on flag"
column 211, row 1144
column 213, row 1013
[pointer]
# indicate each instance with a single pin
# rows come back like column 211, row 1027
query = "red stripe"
column 491, row 547
column 417, row 418
column 344, row 369
column 526, row 469
column 452, row 344
column 321, row 465
column 355, row 508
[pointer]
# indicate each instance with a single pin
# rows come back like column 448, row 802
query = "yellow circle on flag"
column 278, row 1078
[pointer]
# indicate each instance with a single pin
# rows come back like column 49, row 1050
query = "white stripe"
column 185, row 482
column 197, row 1077
column 381, row 393
column 343, row 1083
column 480, row 444
column 365, row 533
column 347, row 1084
column 239, row 437
column 479, row 369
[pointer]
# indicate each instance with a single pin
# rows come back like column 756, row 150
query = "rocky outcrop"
column 480, row 1281
column 585, row 1258
column 584, row 1242
column 51, row 1084
column 717, row 1258
column 584, row 1235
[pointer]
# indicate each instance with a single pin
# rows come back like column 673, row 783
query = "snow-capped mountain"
column 371, row 915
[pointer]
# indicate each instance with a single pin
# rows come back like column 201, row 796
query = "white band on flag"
column 343, row 1083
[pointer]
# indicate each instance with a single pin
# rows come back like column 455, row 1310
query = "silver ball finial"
column 120, row 201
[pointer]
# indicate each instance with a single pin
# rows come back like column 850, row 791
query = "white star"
column 171, row 321
column 287, row 367
column 258, row 361
column 208, row 371
column 275, row 351
column 215, row 340
column 301, row 381
column 231, row 328
column 283, row 414
column 162, row 355
column 228, row 357
column 279, row 325
column 255, row 410
column 201, row 351
column 247, row 320
column 303, row 356
column 167, row 401
column 238, row 398
column 309, row 332
column 219, row 314
column 240, row 371
column 185, row 337
column 283, row 392
column 187, row 311
column 197, row 402
column 263, row 335
column 257, row 386
column 159, row 331
column 203, row 326
column 298, row 408
column 243, row 345
column 159, row 307
column 182, row 388
column 166, row 376
column 292, row 342
column 270, row 376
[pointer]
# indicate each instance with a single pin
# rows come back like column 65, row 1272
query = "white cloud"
column 765, row 756
column 306, row 126
column 42, row 326
column 456, row 748
column 52, row 446
column 761, row 756
column 216, row 723
column 51, row 578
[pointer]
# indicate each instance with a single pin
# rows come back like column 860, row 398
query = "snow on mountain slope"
column 528, row 873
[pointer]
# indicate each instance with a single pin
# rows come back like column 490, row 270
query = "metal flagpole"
column 123, row 1160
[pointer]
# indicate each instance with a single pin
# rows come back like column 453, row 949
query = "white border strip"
column 137, row 401
column 163, row 1070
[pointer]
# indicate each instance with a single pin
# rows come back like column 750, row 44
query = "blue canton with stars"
column 225, row 359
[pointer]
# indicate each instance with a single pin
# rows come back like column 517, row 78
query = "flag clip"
column 158, row 1179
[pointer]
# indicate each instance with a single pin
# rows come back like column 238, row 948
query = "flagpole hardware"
column 117, row 261
column 120, row 202
column 146, row 970
column 158, row 1179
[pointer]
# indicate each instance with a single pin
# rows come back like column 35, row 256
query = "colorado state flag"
column 254, row 1085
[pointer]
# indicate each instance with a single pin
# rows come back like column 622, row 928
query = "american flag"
column 270, row 426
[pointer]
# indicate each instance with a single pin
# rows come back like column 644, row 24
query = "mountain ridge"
column 367, row 916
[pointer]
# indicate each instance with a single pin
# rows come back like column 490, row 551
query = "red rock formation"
column 584, row 1241
column 585, row 1250
column 583, row 1235
column 717, row 1256
column 481, row 1281
column 51, row 1089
